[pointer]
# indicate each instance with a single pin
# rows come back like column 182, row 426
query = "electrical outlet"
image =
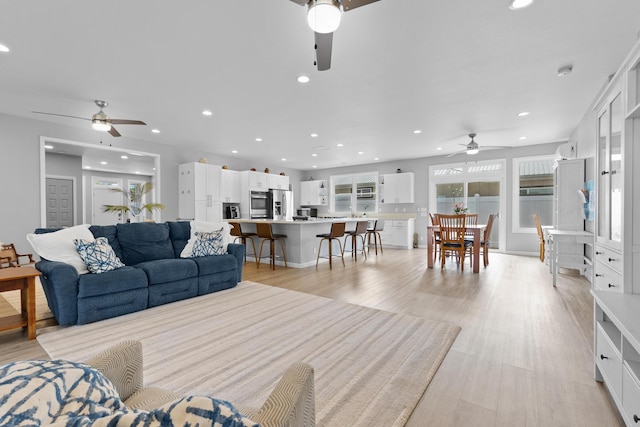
column 422, row 238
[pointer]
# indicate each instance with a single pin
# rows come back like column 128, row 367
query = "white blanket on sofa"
column 62, row 393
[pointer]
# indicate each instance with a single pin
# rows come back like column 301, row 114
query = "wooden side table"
column 23, row 279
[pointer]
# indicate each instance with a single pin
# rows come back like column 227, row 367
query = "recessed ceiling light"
column 376, row 158
column 417, row 131
column 522, row 138
column 360, row 152
column 207, row 113
column 321, row 148
column 519, row 4
column 48, row 147
column 87, row 167
column 314, row 135
column 103, row 163
column 283, row 159
column 438, row 148
column 258, row 139
column 155, row 130
column 314, row 166
column 314, row 155
column 523, row 113
column 138, row 172
column 339, row 145
column 563, row 71
column 234, row 151
column 303, row 79
column 124, row 157
column 3, row 48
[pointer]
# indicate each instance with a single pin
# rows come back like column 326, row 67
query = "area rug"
column 371, row 366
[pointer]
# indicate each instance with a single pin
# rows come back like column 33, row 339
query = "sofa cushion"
column 168, row 270
column 122, row 279
column 98, row 255
column 59, row 246
column 215, row 264
column 144, row 241
column 208, row 244
column 179, row 233
column 111, row 233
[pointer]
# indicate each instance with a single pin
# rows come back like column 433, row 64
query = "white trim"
column 515, row 194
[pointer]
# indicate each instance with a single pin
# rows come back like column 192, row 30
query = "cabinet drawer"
column 609, row 258
column 607, row 279
column 630, row 396
column 610, row 363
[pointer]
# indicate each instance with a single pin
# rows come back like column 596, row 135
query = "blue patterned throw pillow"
column 208, row 244
column 98, row 255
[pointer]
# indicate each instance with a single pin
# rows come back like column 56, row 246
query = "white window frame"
column 354, row 195
column 515, row 201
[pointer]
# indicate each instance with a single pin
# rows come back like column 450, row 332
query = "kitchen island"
column 301, row 244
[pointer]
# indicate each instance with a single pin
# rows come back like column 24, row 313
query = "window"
column 355, row 193
column 533, row 192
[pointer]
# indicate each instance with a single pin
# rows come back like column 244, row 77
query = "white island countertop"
column 297, row 222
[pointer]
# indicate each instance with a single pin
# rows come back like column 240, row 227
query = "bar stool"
column 360, row 231
column 337, row 231
column 237, row 233
column 266, row 234
column 378, row 226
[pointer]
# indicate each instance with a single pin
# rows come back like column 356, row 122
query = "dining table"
column 476, row 230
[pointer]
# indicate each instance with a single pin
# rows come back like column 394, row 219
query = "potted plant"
column 134, row 196
column 459, row 208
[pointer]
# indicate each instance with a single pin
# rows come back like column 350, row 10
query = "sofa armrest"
column 122, row 365
column 292, row 402
column 60, row 283
column 237, row 251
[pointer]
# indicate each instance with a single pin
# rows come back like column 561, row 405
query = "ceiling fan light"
column 324, row 16
column 473, row 151
column 101, row 126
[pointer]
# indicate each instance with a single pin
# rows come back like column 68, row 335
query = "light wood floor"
column 523, row 357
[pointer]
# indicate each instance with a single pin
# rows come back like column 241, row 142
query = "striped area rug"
column 371, row 366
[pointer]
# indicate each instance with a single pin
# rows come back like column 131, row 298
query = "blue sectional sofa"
column 154, row 273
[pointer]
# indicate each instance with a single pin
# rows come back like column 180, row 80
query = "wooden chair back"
column 536, row 219
column 361, row 227
column 452, row 229
column 9, row 257
column 235, row 230
column 487, row 231
column 379, row 225
column 264, row 230
column 472, row 219
column 337, row 229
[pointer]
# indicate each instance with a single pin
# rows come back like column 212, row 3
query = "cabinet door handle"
column 612, row 286
column 602, row 357
column 599, row 253
column 612, row 259
column 635, row 418
column 599, row 275
column 604, row 172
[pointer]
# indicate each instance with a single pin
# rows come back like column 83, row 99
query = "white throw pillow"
column 206, row 227
column 59, row 245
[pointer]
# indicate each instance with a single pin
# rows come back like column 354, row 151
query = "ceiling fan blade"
column 456, row 153
column 61, row 115
column 114, row 132
column 125, row 122
column 300, row 2
column 348, row 5
column 323, row 50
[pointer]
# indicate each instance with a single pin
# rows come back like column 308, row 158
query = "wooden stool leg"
column 330, row 253
column 284, row 255
column 273, row 254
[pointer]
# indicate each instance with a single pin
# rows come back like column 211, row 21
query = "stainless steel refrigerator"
column 281, row 204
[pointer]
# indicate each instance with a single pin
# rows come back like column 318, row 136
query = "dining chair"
column 472, row 219
column 484, row 243
column 536, row 219
column 436, row 236
column 337, row 231
column 9, row 257
column 452, row 237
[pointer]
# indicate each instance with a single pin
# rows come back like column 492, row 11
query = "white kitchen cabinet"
column 616, row 289
column 398, row 233
column 256, row 180
column 230, row 186
column 398, row 188
column 277, row 182
column 199, row 192
column 313, row 193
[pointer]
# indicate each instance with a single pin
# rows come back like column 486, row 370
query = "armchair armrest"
column 237, row 250
column 60, row 283
column 30, row 256
column 292, row 402
column 122, row 365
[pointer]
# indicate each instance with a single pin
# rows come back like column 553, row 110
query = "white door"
column 103, row 195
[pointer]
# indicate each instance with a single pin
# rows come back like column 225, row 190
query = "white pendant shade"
column 101, row 126
column 324, row 16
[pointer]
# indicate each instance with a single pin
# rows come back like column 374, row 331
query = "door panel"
column 59, row 202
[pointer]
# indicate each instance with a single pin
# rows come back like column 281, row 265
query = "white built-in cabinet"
column 199, row 192
column 277, row 182
column 616, row 288
column 313, row 193
column 397, row 188
column 398, row 233
column 258, row 181
column 230, row 186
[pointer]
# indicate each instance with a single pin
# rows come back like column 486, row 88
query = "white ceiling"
column 445, row 67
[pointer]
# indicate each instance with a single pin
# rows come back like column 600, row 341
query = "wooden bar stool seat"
column 337, row 231
column 237, row 233
column 266, row 234
column 378, row 226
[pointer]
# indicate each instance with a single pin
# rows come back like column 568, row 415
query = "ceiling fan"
column 473, row 148
column 100, row 121
column 323, row 17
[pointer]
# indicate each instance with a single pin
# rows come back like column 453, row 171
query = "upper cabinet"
column 230, row 186
column 397, row 188
column 277, row 182
column 313, row 193
column 199, row 192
